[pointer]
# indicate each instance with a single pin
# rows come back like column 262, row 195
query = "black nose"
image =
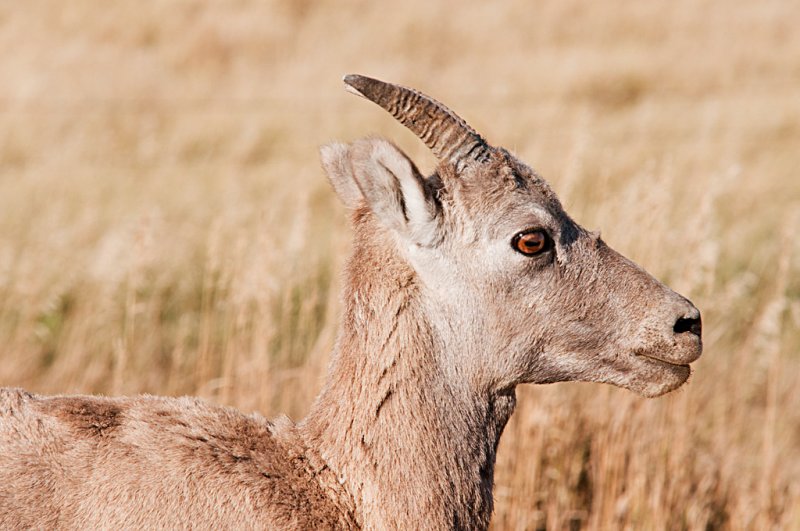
column 690, row 324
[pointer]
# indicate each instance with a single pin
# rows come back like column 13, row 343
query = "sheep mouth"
column 662, row 361
column 678, row 354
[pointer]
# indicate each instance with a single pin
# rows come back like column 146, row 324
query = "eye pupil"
column 531, row 242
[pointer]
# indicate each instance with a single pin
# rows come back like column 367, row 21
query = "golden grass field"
column 165, row 226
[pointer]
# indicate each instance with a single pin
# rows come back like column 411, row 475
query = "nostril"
column 688, row 324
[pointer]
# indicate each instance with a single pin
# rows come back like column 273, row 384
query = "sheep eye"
column 531, row 242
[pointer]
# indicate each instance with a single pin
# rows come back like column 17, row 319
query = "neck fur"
column 412, row 448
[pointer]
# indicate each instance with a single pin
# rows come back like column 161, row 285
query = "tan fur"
column 442, row 320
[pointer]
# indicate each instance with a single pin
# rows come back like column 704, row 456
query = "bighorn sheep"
column 460, row 286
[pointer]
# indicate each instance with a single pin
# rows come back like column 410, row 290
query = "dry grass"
column 164, row 226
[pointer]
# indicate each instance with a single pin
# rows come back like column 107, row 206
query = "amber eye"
column 531, row 242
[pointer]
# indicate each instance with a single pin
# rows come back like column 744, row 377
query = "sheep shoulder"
column 145, row 461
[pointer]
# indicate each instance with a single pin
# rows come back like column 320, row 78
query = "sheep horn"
column 445, row 133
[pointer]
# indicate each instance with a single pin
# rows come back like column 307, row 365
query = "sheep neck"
column 412, row 448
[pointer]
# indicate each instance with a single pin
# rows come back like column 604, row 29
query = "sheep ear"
column 336, row 163
column 394, row 190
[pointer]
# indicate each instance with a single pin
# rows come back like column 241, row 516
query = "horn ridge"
column 445, row 133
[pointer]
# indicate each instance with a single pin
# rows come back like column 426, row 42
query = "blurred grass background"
column 165, row 227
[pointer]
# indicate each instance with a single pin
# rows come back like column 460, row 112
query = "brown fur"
column 148, row 462
column 442, row 320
